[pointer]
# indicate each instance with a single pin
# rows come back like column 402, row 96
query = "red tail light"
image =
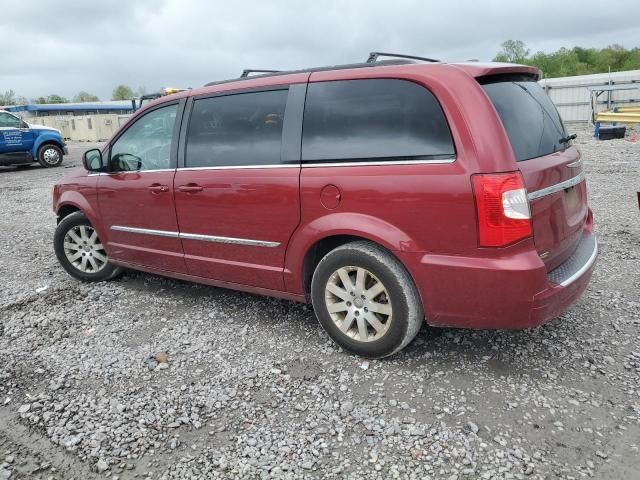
column 503, row 210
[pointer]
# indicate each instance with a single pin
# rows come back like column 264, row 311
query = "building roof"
column 625, row 76
column 124, row 105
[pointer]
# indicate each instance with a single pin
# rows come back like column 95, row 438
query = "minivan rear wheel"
column 80, row 250
column 366, row 300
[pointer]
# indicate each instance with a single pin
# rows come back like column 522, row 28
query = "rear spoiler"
column 477, row 69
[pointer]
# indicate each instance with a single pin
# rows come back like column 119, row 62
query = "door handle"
column 157, row 188
column 190, row 188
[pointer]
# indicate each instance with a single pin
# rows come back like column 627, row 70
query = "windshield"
column 530, row 118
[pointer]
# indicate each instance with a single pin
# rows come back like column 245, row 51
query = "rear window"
column 373, row 119
column 530, row 118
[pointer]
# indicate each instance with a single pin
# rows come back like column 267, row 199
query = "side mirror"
column 125, row 162
column 92, row 160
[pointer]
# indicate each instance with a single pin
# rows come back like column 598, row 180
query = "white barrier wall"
column 84, row 128
column 572, row 96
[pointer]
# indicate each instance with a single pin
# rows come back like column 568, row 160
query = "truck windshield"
column 530, row 118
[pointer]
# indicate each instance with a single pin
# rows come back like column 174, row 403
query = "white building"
column 572, row 95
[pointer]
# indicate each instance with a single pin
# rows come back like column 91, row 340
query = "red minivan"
column 385, row 193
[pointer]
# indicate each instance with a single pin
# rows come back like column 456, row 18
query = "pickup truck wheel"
column 80, row 251
column 366, row 300
column 49, row 155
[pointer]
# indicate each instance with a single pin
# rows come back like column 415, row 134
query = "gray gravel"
column 146, row 377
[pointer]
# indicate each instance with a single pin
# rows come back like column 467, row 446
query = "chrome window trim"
column 131, row 171
column 294, row 165
column 557, row 187
column 196, row 236
column 141, row 171
column 375, row 163
column 241, row 167
column 584, row 267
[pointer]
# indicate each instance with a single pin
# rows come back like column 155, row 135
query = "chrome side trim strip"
column 584, row 267
column 145, row 231
column 236, row 241
column 195, row 236
column 557, row 187
column 381, row 162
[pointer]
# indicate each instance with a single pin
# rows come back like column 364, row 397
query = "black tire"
column 77, row 219
column 49, row 155
column 407, row 313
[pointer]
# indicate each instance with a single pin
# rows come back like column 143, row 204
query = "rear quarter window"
column 529, row 117
column 373, row 119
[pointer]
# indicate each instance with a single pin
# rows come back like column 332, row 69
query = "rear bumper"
column 511, row 291
column 567, row 282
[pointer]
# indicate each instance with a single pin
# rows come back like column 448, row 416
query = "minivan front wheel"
column 80, row 250
column 365, row 300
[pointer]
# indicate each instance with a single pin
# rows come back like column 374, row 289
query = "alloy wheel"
column 358, row 303
column 84, row 250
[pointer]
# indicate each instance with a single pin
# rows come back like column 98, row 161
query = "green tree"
column 85, row 97
column 586, row 56
column 575, row 61
column 514, row 51
column 53, row 98
column 122, row 92
column 633, row 60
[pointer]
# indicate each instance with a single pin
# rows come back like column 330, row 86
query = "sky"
column 66, row 46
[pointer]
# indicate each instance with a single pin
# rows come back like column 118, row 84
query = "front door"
column 237, row 196
column 15, row 135
column 136, row 194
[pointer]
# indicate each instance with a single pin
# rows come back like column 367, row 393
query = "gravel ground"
column 148, row 377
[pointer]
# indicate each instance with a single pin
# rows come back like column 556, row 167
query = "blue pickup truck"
column 22, row 144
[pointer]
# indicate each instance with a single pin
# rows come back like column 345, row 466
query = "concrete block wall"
column 83, row 128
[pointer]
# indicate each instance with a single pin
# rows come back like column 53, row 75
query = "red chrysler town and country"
column 385, row 193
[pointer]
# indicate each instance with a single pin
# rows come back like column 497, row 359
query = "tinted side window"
column 146, row 144
column 236, row 130
column 528, row 115
column 367, row 119
column 9, row 121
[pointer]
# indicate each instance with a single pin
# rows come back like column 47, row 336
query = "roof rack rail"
column 373, row 56
column 271, row 73
column 246, row 72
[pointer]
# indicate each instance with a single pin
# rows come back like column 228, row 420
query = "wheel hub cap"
column 51, row 155
column 358, row 303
